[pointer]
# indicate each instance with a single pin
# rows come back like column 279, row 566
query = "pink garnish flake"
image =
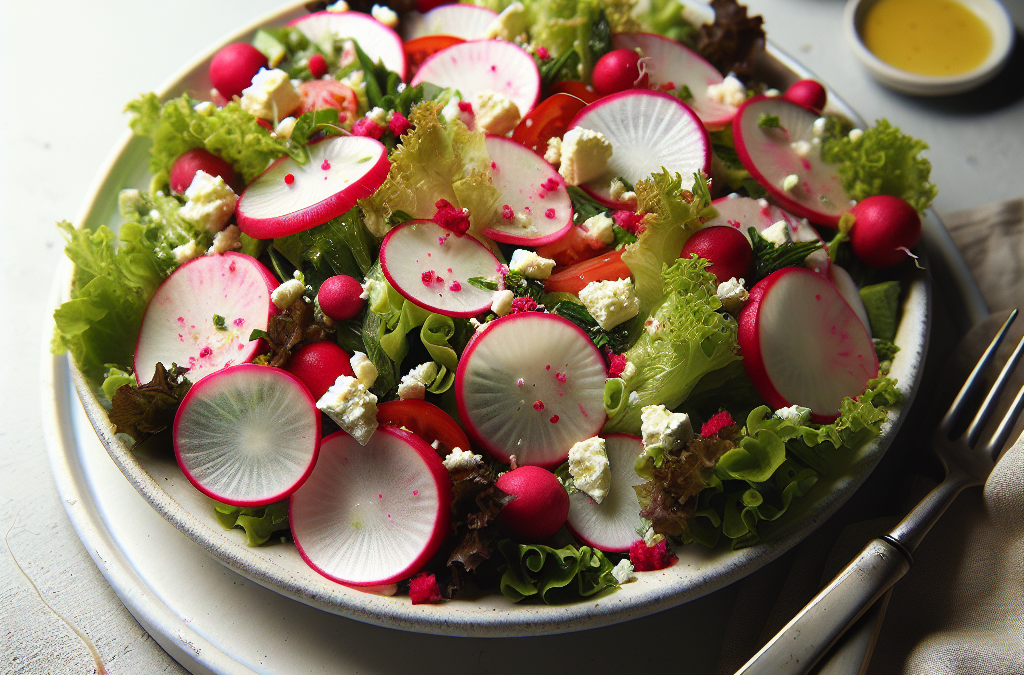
column 629, row 221
column 439, row 280
column 415, row 493
column 507, row 213
column 734, row 223
column 289, row 179
column 538, row 405
column 451, row 218
column 554, row 419
column 524, row 305
column 204, row 352
column 520, row 382
column 494, row 165
column 551, row 184
column 367, row 127
column 716, row 424
column 542, row 53
column 231, row 268
column 423, row 589
column 455, row 286
column 427, row 277
column 650, row 558
column 549, row 214
column 466, row 106
column 547, row 367
column 399, row 124
column 560, row 377
column 326, row 165
column 239, row 322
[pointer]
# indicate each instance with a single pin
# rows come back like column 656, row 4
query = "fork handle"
column 798, row 646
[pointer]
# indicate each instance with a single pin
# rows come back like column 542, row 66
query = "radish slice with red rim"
column 611, row 525
column 772, row 154
column 803, row 345
column 431, row 267
column 848, row 288
column 484, row 65
column 181, row 323
column 648, row 130
column 372, row 515
column 290, row 197
column 670, row 63
column 468, row 22
column 531, row 385
column 528, row 186
column 378, row 41
column 247, row 435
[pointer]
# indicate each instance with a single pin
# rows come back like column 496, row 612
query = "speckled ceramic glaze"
column 280, row 568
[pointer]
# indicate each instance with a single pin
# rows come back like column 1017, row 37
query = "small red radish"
column 372, row 515
column 199, row 159
column 619, row 70
column 247, row 435
column 803, row 345
column 807, row 94
column 540, row 507
column 884, row 230
column 727, row 249
column 317, row 66
column 202, row 316
column 424, row 6
column 611, row 525
column 468, row 22
column 377, row 41
column 318, row 365
column 233, row 67
column 339, row 297
column 531, row 385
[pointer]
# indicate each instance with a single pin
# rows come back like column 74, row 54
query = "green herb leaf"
column 769, row 257
column 684, row 94
column 766, row 121
column 219, row 323
column 482, row 283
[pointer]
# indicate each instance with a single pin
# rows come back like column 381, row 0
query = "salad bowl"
column 279, row 567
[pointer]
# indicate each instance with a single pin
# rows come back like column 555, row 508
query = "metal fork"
column 805, row 639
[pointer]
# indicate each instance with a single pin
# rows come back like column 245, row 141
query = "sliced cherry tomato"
column 607, row 267
column 578, row 89
column 417, row 50
column 425, row 420
column 322, row 94
column 550, row 118
column 571, row 248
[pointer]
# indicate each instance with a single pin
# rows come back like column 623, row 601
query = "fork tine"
column 957, row 410
column 989, row 405
column 1002, row 434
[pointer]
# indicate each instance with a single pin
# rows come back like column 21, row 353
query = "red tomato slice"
column 425, row 420
column 571, row 248
column 550, row 118
column 321, row 94
column 607, row 267
column 417, row 51
column 578, row 89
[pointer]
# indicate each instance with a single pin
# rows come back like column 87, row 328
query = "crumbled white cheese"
column 339, row 6
column 623, row 572
column 363, row 369
column 729, row 92
column 618, row 192
column 634, row 396
column 459, row 459
column 732, row 294
column 795, row 414
column 355, row 80
column 585, row 155
column 610, row 302
column 228, row 239
column 772, row 93
column 510, row 24
column 451, row 111
column 501, row 302
column 287, row 293
column 378, row 115
column 697, row 13
column 186, row 252
column 553, row 153
column 155, row 215
column 818, row 128
column 271, row 96
column 531, row 265
column 599, row 230
column 495, row 112
column 588, row 465
column 523, row 221
column 211, row 203
column 801, row 148
column 652, row 538
column 790, row 182
column 776, row 233
column 652, row 326
column 285, row 127
column 352, row 407
column 414, row 384
column 855, row 135
column 204, row 108
column 628, row 371
column 385, row 15
column 663, row 429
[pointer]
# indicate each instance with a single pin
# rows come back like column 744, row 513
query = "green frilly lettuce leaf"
column 260, row 522
column 553, row 575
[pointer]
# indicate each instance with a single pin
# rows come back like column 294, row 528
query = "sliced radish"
column 848, row 288
column 528, row 186
column 648, row 130
column 372, row 515
column 531, row 385
column 468, row 22
column 431, row 267
column 744, row 212
column 290, row 197
column 803, row 345
column 611, row 525
column 670, row 64
column 247, row 435
column 181, row 323
column 378, row 41
column 485, row 65
column 773, row 154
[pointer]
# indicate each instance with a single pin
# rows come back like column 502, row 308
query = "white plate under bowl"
column 279, row 568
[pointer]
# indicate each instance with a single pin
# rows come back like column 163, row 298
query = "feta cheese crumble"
column 790, row 182
column 501, row 302
column 663, row 429
column 414, row 384
column 732, row 294
column 599, row 230
column 617, row 191
column 186, row 252
column 776, row 233
column 285, row 127
column 553, row 153
column 729, row 92
column 271, row 96
column 855, row 135
column 610, row 302
column 801, row 148
column 623, row 571
column 459, row 459
column 339, row 6
column 385, row 15
column 531, row 265
column 226, row 240
column 352, row 407
column 363, row 369
column 287, row 293
column 510, row 24
column 588, row 465
column 795, row 414
column 495, row 113
column 585, row 155
column 211, row 203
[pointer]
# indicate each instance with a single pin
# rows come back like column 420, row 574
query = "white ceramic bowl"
column 991, row 12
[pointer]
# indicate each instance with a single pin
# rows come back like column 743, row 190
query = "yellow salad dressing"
column 928, row 37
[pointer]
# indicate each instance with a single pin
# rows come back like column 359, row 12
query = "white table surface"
column 67, row 70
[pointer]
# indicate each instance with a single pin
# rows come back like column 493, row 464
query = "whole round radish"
column 803, row 345
column 339, row 297
column 611, row 525
column 725, row 247
column 201, row 317
column 247, row 435
column 617, row 71
column 372, row 515
column 233, row 67
column 884, row 230
column 807, row 94
column 424, row 6
column 199, row 159
column 318, row 365
column 540, row 507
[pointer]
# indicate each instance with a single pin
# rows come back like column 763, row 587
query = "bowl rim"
column 997, row 20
